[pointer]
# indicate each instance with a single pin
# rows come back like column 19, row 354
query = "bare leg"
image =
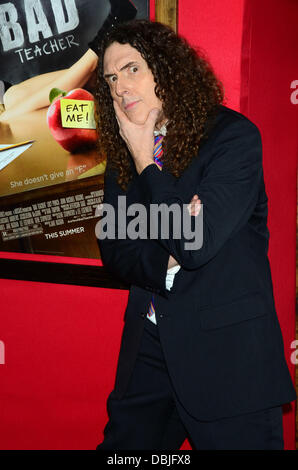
column 35, row 93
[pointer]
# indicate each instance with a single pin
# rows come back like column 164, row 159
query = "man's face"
column 131, row 82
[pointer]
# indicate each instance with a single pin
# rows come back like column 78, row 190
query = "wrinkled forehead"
column 116, row 55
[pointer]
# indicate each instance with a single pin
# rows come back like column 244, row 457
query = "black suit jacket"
column 218, row 324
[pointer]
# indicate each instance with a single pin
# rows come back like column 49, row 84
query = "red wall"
column 265, row 98
column 62, row 342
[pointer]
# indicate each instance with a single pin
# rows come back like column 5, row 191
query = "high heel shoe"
column 121, row 11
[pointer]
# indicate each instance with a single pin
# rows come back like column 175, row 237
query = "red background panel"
column 215, row 27
column 62, row 342
column 270, row 64
column 61, row 347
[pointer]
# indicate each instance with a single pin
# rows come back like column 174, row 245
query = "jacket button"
column 161, row 315
column 143, row 315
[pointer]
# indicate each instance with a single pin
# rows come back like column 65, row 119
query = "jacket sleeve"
column 228, row 190
column 142, row 262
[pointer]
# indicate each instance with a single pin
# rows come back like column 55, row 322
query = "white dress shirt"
column 169, row 283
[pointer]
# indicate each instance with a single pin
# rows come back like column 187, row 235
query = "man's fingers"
column 152, row 117
column 120, row 115
column 118, row 122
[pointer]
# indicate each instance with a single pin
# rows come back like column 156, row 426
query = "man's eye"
column 112, row 79
column 134, row 69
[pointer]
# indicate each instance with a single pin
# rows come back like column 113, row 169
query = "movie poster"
column 51, row 176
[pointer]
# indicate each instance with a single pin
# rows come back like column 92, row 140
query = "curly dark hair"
column 185, row 84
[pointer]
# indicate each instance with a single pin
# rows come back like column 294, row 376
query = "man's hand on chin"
column 139, row 138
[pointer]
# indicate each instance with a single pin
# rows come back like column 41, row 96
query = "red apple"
column 74, row 139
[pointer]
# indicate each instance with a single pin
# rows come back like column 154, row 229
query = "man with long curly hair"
column 202, row 352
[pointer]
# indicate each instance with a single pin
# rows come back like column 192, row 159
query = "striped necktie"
column 157, row 152
column 157, row 155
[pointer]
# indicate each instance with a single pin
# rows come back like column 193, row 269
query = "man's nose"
column 122, row 86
